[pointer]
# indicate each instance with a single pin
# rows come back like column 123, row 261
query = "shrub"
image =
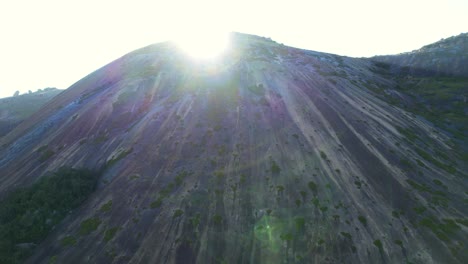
column 323, row 155
column 274, row 167
column 378, row 244
column 68, row 241
column 50, row 198
column 110, row 233
column 347, row 235
column 312, row 186
column 300, row 223
column 178, row 213
column 363, row 220
column 89, row 225
column 157, row 203
column 106, row 207
column 217, row 219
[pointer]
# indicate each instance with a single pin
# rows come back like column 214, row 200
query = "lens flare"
column 203, row 45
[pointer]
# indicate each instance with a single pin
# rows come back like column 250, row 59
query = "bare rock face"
column 269, row 155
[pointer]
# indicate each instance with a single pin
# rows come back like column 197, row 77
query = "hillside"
column 15, row 109
column 447, row 57
column 270, row 155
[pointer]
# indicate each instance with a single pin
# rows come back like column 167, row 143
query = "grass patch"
column 89, row 225
column 110, row 233
column 448, row 168
column 443, row 230
column 420, row 209
column 106, row 207
column 157, row 203
column 419, row 187
column 300, row 223
column 408, row 133
column 68, row 241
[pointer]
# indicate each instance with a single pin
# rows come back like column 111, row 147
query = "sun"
column 203, row 44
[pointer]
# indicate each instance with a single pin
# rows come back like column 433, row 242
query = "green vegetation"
column 195, row 220
column 406, row 163
column 178, row 181
column 179, row 178
column 358, row 184
column 300, row 223
column 462, row 221
column 363, row 220
column 68, row 241
column 157, row 203
column 217, row 219
column 396, row 214
column 177, row 213
column 286, row 237
column 110, row 233
column 257, row 89
column 438, row 100
column 280, row 188
column 443, row 230
column 53, row 260
column 122, row 154
column 347, row 235
column 312, row 186
column 431, row 159
column 398, row 242
column 408, row 133
column 419, row 209
column 323, row 155
column 419, row 187
column 45, row 154
column 438, row 197
column 378, row 244
column 274, row 167
column 28, row 215
column 89, row 225
column 106, row 207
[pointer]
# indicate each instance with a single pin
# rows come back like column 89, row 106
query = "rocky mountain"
column 15, row 109
column 447, row 57
column 271, row 154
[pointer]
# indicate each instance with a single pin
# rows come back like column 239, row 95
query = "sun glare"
column 204, row 45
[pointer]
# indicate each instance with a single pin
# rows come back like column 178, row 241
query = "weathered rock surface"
column 270, row 155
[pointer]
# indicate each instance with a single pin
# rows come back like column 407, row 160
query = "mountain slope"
column 270, row 155
column 13, row 110
column 447, row 57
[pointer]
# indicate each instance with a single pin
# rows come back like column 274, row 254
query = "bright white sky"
column 54, row 43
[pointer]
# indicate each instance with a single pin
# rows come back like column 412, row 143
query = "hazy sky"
column 54, row 43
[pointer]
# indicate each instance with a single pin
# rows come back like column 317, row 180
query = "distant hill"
column 447, row 57
column 15, row 109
